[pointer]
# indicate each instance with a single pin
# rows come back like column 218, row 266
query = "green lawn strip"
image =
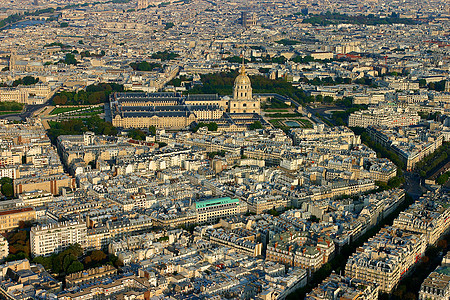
column 9, row 112
column 275, row 110
column 60, row 110
column 281, row 115
column 86, row 112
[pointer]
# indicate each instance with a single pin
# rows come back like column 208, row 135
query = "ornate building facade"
column 175, row 111
column 243, row 100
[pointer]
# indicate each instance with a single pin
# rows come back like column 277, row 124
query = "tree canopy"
column 27, row 80
column 79, row 126
column 165, row 55
column 94, row 94
column 145, row 66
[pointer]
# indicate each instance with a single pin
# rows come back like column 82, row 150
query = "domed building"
column 176, row 111
column 243, row 100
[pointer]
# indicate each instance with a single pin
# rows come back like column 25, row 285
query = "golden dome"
column 242, row 78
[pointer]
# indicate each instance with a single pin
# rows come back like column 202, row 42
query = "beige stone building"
column 10, row 219
column 386, row 257
column 51, row 184
column 243, row 100
column 89, row 275
column 175, row 111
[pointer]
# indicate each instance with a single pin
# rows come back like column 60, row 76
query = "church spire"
column 243, row 66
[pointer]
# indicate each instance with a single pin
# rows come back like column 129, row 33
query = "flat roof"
column 216, row 201
column 15, row 211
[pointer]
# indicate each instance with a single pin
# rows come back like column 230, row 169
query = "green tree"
column 168, row 25
column 76, row 266
column 443, row 178
column 255, row 125
column 59, row 100
column 273, row 212
column 4, row 180
column 422, row 83
column 145, row 66
column 70, row 59
column 7, row 190
column 328, row 99
column 211, row 126
column 27, row 80
column 67, row 261
column 137, row 134
column 46, row 262
column 115, row 261
column 165, row 55
column 98, row 255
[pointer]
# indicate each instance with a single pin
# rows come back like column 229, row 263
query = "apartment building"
column 376, row 116
column 399, row 84
column 342, row 287
column 412, row 144
column 300, row 250
column 326, row 133
column 90, row 275
column 241, row 244
column 386, row 258
column 48, row 239
column 259, row 205
column 36, row 198
column 437, row 285
column 214, row 209
column 430, row 216
column 4, row 247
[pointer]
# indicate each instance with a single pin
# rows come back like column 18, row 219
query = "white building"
column 4, row 247
column 214, row 209
column 389, row 117
column 52, row 238
column 8, row 172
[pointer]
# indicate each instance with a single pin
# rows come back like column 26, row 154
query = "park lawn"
column 89, row 113
column 59, row 110
column 306, row 123
column 9, row 112
column 275, row 122
column 284, row 115
column 275, row 110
